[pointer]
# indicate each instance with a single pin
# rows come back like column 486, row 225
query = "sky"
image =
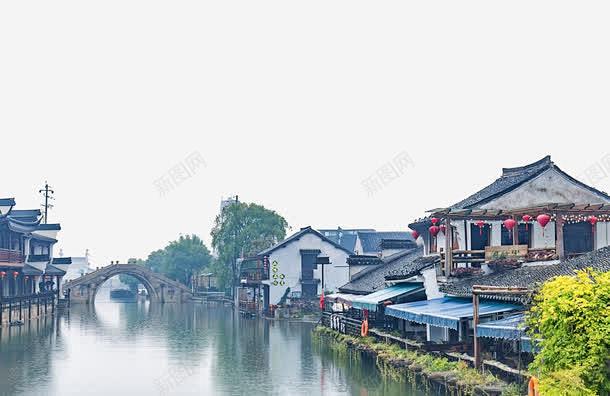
column 333, row 113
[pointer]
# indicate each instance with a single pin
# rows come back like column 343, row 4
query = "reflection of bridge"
column 160, row 288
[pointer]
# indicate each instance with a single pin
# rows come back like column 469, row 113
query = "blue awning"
column 370, row 301
column 446, row 311
column 511, row 328
column 342, row 298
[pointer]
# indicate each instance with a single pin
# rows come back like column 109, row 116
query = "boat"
column 122, row 294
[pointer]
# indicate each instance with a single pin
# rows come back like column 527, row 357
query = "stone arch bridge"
column 160, row 288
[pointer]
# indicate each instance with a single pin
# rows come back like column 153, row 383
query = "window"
column 525, row 236
column 578, row 238
column 479, row 237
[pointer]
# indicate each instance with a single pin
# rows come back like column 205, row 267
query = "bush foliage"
column 570, row 320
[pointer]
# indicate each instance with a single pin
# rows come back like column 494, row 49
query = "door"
column 578, row 238
column 309, row 285
column 479, row 237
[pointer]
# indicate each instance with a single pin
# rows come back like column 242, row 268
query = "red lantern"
column 510, row 224
column 527, row 219
column 415, row 234
column 593, row 221
column 434, row 230
column 434, row 220
column 15, row 274
column 543, row 220
column 443, row 228
column 2, row 274
column 480, row 224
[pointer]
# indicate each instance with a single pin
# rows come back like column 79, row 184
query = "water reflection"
column 143, row 349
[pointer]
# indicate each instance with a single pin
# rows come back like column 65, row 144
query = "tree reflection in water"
column 139, row 348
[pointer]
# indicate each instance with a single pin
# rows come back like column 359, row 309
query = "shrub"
column 571, row 320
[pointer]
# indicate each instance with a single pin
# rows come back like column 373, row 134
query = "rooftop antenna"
column 48, row 195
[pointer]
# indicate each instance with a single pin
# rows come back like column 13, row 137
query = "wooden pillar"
column 516, row 233
column 448, row 247
column 559, row 247
column 475, row 323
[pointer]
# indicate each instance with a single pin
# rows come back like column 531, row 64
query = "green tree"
column 571, row 320
column 243, row 229
column 180, row 259
column 129, row 280
column 183, row 258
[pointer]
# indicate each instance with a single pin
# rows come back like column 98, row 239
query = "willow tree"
column 571, row 321
column 243, row 230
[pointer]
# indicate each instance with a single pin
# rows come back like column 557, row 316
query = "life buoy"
column 533, row 387
column 364, row 329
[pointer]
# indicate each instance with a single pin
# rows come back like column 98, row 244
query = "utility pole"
column 48, row 195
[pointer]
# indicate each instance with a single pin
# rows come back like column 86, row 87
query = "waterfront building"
column 27, row 265
column 533, row 223
column 369, row 242
column 470, row 226
column 526, row 227
column 372, row 289
column 292, row 270
column 75, row 266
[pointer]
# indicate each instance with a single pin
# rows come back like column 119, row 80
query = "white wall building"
column 292, row 266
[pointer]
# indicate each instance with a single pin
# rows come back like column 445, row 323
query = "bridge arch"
column 152, row 293
column 160, row 288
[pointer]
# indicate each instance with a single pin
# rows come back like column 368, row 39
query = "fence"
column 22, row 308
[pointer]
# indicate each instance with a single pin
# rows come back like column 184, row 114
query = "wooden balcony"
column 33, row 258
column 11, row 256
column 475, row 258
column 254, row 275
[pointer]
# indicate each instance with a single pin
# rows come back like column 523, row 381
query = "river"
column 141, row 349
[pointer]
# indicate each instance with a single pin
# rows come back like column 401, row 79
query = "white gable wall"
column 289, row 263
column 549, row 187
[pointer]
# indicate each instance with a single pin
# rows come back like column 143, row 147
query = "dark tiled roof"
column 7, row 201
column 54, row 271
column 412, row 268
column 49, row 227
column 531, row 276
column 31, row 271
column 348, row 241
column 30, row 215
column 371, row 241
column 359, row 259
column 396, row 243
column 297, row 236
column 372, row 279
column 514, row 177
column 62, row 260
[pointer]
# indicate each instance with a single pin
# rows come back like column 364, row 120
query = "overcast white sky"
column 291, row 104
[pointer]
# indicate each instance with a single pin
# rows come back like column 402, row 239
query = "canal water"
column 141, row 349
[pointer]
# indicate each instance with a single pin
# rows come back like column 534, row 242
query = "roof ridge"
column 544, row 161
